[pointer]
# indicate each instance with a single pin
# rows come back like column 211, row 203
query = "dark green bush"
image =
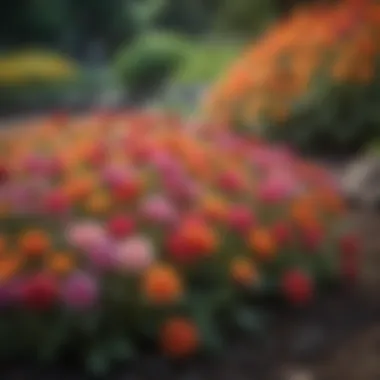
column 150, row 61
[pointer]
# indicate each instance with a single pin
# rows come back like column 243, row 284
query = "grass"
column 206, row 61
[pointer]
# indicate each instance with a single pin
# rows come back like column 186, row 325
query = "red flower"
column 183, row 250
column 349, row 269
column 240, row 218
column 230, row 181
column 282, row 233
column 349, row 245
column 349, row 257
column 120, row 226
column 126, row 190
column 180, row 250
column 97, row 155
column 4, row 174
column 56, row 202
column 312, row 237
column 297, row 287
column 40, row 292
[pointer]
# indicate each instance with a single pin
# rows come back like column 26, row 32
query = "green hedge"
column 149, row 61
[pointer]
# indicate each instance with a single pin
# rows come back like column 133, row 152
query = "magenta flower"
column 181, row 188
column 80, row 291
column 103, row 255
column 135, row 254
column 113, row 175
column 166, row 165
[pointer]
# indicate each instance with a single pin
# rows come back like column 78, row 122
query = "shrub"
column 34, row 66
column 149, row 61
column 126, row 230
column 32, row 78
column 312, row 79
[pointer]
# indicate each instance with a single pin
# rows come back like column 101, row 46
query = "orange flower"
column 9, row 265
column 331, row 201
column 78, row 189
column 162, row 285
column 303, row 212
column 199, row 234
column 215, row 208
column 60, row 263
column 34, row 242
column 262, row 243
column 179, row 337
column 4, row 209
column 243, row 271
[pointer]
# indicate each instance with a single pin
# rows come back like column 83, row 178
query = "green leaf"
column 249, row 320
column 97, row 362
column 55, row 339
column 89, row 323
column 121, row 349
column 209, row 331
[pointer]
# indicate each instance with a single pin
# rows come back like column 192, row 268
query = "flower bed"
column 130, row 231
column 311, row 79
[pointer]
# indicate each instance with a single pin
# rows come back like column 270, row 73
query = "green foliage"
column 81, row 89
column 205, row 61
column 245, row 16
column 340, row 119
column 150, row 60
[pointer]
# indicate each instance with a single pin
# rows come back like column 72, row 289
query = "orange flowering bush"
column 312, row 79
column 127, row 229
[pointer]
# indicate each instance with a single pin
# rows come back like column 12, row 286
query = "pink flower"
column 181, row 188
column 41, row 165
column 135, row 254
column 20, row 198
column 80, row 291
column 277, row 187
column 165, row 164
column 240, row 218
column 86, row 235
column 114, row 175
column 158, row 209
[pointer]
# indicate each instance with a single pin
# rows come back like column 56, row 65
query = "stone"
column 300, row 375
column 360, row 181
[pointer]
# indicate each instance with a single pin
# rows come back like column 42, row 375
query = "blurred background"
column 66, row 53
